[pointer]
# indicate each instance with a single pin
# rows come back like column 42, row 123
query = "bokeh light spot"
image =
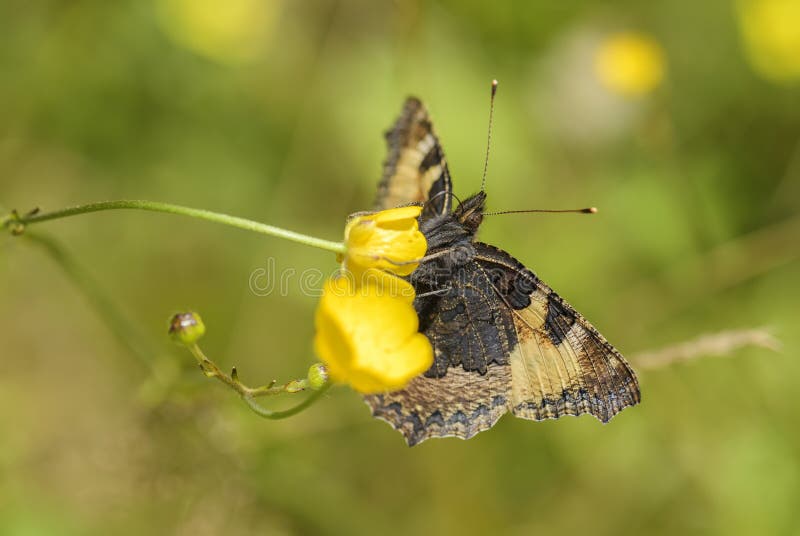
column 231, row 31
column 630, row 64
column 771, row 35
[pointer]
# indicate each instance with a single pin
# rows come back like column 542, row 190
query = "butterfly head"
column 470, row 212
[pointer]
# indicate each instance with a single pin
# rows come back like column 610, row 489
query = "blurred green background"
column 680, row 121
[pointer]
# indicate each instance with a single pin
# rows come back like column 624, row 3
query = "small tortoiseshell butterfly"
column 503, row 340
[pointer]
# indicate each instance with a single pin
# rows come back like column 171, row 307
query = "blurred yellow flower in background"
column 385, row 240
column 771, row 34
column 630, row 63
column 229, row 31
column 369, row 338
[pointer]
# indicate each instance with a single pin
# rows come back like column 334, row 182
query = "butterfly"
column 503, row 340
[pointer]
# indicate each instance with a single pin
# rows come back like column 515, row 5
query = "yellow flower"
column 368, row 337
column 367, row 330
column 630, row 63
column 386, row 240
column 771, row 33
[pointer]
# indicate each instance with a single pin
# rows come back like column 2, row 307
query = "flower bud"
column 317, row 376
column 186, row 328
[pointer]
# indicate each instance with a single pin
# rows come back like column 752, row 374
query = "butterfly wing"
column 415, row 170
column 468, row 387
column 504, row 341
column 560, row 364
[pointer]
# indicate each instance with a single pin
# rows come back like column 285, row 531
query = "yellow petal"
column 387, row 240
column 369, row 338
column 398, row 218
column 371, row 282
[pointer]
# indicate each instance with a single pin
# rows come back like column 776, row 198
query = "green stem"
column 249, row 394
column 155, row 206
column 275, row 415
column 120, row 326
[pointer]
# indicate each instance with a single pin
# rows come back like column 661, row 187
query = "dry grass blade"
column 715, row 344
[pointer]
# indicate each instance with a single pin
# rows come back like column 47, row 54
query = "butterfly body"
column 450, row 239
column 503, row 340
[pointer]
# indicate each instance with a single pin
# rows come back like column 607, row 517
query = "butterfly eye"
column 472, row 220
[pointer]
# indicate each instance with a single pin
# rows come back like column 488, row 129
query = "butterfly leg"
column 426, row 258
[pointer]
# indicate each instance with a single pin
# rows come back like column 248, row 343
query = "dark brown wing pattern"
column 561, row 365
column 415, row 170
column 504, row 341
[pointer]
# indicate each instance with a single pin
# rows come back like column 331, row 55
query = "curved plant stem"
column 120, row 326
column 155, row 206
column 17, row 223
column 249, row 394
column 275, row 415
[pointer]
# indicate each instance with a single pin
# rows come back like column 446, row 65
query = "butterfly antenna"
column 589, row 210
column 451, row 194
column 489, row 135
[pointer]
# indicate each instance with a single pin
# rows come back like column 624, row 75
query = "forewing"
column 560, row 365
column 415, row 170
